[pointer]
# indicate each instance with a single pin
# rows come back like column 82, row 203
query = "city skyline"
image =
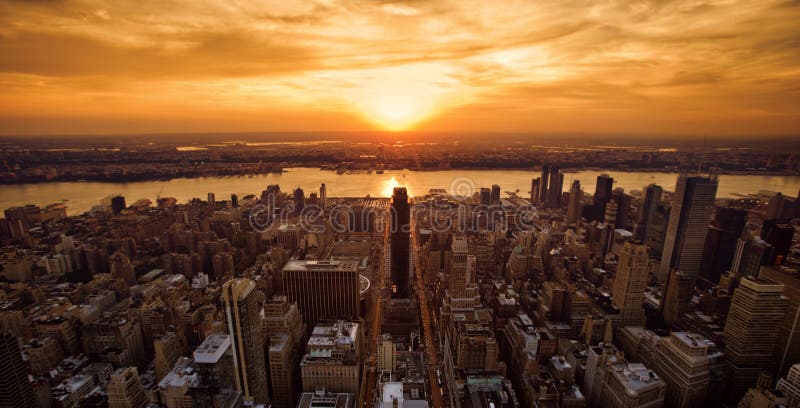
column 623, row 68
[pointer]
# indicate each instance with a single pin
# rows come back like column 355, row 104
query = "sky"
column 686, row 68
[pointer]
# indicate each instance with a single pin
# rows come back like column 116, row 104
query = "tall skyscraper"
column 323, row 196
column 757, row 311
column 535, row 186
column 544, row 184
column 495, row 194
column 400, row 243
column 286, row 331
column 623, row 208
column 688, row 224
column 574, row 206
column 787, row 350
column 779, row 233
column 555, row 189
column 243, row 306
column 323, row 289
column 652, row 197
column 15, row 389
column 603, row 189
column 630, row 283
column 720, row 245
column 486, row 196
column 299, row 200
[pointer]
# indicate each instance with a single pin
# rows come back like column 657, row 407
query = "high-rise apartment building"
column 757, row 311
column 243, row 307
column 323, row 289
column 400, row 237
column 688, row 224
column 630, row 283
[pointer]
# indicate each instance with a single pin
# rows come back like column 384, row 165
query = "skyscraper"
column 495, row 194
column 535, row 185
column 677, row 296
column 720, row 245
column 555, row 189
column 603, row 188
column 323, row 289
column 574, row 206
column 243, row 306
column 323, row 196
column 543, row 185
column 757, row 311
column 15, row 389
column 652, row 197
column 400, row 243
column 629, row 284
column 299, row 200
column 623, row 207
column 688, row 224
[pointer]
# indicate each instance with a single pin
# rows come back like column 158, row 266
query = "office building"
column 286, row 331
column 323, row 196
column 543, row 186
column 677, row 296
column 757, row 311
column 400, row 242
column 555, row 188
column 574, row 206
column 213, row 361
column 688, row 224
column 720, row 245
column 299, row 200
column 495, row 199
column 535, row 188
column 630, row 283
column 323, row 289
column 652, row 197
column 243, row 306
column 15, row 389
column 683, row 361
column 333, row 358
column 787, row 350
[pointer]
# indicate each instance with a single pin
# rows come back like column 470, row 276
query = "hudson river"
column 81, row 196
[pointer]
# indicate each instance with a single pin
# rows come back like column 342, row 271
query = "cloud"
column 518, row 66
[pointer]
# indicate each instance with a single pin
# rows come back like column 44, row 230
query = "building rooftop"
column 212, row 348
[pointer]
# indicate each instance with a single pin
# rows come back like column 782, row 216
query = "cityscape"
column 399, row 204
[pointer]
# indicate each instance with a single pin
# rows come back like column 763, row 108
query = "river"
column 81, row 196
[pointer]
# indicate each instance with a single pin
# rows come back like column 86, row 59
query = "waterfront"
column 81, row 196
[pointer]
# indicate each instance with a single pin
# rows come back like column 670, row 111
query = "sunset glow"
column 90, row 66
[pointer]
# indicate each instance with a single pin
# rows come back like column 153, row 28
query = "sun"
column 399, row 98
column 396, row 107
column 388, row 186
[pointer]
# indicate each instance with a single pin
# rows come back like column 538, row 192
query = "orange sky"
column 680, row 67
